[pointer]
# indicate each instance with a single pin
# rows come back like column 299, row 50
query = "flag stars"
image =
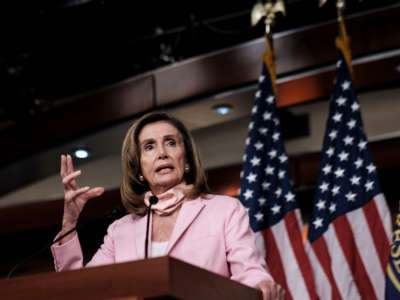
column 339, row 172
column 283, row 158
column 276, row 121
column 281, row 174
column 273, row 153
column 321, row 204
column 259, row 216
column 371, row 168
column 327, row 169
column 289, row 197
column 251, row 125
column 345, row 85
column 332, row 207
column 358, row 163
column 324, row 187
column 333, row 134
column 269, row 170
column 276, row 209
column 258, row 94
column 255, row 161
column 262, row 201
column 335, row 190
column 369, row 185
column 348, row 140
column 263, row 130
column 355, row 106
column 270, row 99
column 275, row 136
column 261, row 78
column 339, row 63
column 351, row 197
column 362, row 145
column 317, row 223
column 337, row 117
column 341, row 101
column 258, row 145
column 351, row 124
column 248, row 194
column 267, row 116
column 343, row 156
column 330, row 151
column 251, row 177
column 244, row 157
column 248, row 140
column 278, row 192
column 265, row 185
column 355, row 180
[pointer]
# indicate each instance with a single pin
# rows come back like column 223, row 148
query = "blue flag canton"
column 265, row 188
column 347, row 179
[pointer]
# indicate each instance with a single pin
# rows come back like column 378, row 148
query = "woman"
column 159, row 158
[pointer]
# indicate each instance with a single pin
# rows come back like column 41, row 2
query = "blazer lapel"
column 189, row 211
column 140, row 237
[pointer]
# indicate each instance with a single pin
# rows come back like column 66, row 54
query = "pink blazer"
column 212, row 233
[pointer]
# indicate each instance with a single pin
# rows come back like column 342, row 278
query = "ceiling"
column 60, row 48
column 53, row 50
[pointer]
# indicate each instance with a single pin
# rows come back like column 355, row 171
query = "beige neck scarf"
column 169, row 200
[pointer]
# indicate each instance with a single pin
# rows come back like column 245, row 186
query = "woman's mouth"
column 164, row 169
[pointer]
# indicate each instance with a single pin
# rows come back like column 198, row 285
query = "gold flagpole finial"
column 267, row 10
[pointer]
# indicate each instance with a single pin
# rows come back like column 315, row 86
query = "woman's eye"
column 171, row 143
column 148, row 147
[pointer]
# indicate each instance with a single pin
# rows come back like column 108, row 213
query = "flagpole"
column 266, row 190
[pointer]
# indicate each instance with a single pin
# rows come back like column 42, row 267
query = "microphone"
column 115, row 213
column 152, row 200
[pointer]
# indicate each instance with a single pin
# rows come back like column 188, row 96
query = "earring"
column 187, row 169
column 141, row 178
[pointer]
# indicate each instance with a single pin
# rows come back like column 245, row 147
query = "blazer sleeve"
column 69, row 256
column 245, row 261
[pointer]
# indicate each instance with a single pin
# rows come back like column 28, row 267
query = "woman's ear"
column 187, row 168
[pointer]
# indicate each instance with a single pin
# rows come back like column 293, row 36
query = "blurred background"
column 75, row 74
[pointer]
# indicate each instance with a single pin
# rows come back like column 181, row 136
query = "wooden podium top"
column 155, row 278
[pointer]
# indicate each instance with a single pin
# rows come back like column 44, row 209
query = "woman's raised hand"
column 75, row 198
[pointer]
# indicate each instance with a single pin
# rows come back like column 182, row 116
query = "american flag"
column 392, row 291
column 350, row 226
column 267, row 194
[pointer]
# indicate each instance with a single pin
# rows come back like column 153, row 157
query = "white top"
column 158, row 248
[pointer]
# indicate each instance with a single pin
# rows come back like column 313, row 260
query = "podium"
column 155, row 278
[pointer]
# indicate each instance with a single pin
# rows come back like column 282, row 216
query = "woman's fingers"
column 271, row 290
column 71, row 177
column 67, row 168
column 63, row 166
column 281, row 293
column 70, row 165
column 85, row 193
column 95, row 192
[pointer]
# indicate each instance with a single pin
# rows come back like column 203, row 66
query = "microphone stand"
column 152, row 200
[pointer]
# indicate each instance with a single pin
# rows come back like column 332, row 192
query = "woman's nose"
column 161, row 152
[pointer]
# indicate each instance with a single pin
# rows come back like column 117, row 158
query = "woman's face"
column 162, row 156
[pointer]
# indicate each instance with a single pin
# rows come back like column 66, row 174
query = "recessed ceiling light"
column 81, row 153
column 222, row 109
